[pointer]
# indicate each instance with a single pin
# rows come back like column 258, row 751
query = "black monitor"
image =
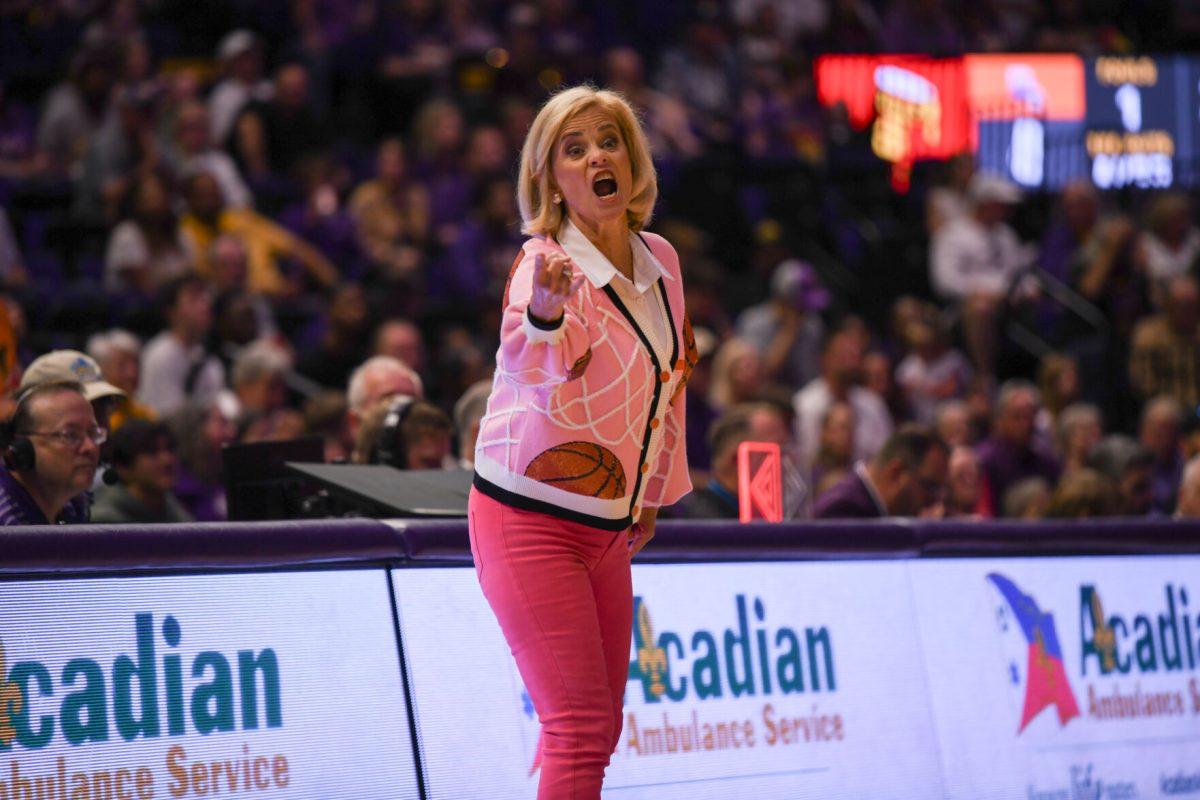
column 258, row 484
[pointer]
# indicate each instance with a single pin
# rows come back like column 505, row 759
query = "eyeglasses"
column 72, row 437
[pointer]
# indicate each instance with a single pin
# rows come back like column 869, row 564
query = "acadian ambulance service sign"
column 256, row 686
column 1064, row 679
column 747, row 680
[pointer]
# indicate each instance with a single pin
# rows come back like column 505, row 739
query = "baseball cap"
column 234, row 43
column 797, row 282
column 993, row 188
column 68, row 365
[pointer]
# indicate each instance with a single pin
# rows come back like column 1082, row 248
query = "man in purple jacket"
column 1012, row 453
column 906, row 477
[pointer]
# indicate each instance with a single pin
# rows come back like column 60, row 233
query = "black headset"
column 18, row 451
column 392, row 448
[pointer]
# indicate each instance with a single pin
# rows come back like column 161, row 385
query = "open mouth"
column 604, row 186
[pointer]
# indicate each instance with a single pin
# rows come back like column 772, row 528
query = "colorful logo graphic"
column 1045, row 677
column 11, row 702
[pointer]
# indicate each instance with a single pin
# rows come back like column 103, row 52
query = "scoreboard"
column 1042, row 120
column 1141, row 121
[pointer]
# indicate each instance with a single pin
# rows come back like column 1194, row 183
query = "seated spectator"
column 1188, row 506
column 391, row 215
column 317, row 216
column 474, row 266
column 230, row 277
column 1027, row 499
column 124, row 150
column 904, row 479
column 240, row 56
column 343, row 344
column 841, row 370
column 76, row 109
column 202, row 430
column 194, row 153
column 1166, row 347
column 835, row 454
column 1171, row 241
column 973, row 261
column 325, row 416
column 259, row 377
column 1080, row 428
column 147, row 248
column 1128, row 465
column 51, row 450
column 266, row 242
column 1084, row 494
column 964, row 484
column 1012, row 453
column 145, row 458
column 787, row 329
column 1159, row 434
column 932, row 372
column 271, row 136
column 404, row 433
column 377, row 379
column 948, row 200
column 176, row 367
column 748, row 422
column 118, row 355
column 737, row 374
column 1058, row 381
column 401, row 339
column 952, row 422
column 468, row 412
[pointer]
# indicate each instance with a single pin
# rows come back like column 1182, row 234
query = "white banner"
column 1065, row 678
column 746, row 680
column 283, row 685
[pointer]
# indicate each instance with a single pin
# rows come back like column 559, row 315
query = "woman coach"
column 583, row 438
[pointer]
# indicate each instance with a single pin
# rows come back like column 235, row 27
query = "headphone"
column 18, row 451
column 392, row 448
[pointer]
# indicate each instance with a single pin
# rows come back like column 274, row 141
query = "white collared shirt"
column 640, row 296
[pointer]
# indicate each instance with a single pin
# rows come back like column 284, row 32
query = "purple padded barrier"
column 445, row 541
column 1114, row 536
column 195, row 546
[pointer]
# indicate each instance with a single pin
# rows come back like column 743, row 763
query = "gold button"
column 645, row 468
column 654, row 423
column 664, row 376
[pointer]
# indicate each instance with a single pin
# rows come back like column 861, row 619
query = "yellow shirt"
column 264, row 241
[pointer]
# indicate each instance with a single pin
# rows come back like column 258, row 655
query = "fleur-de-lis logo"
column 12, row 701
column 652, row 659
column 1104, row 638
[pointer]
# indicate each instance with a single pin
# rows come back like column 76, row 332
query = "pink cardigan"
column 584, row 422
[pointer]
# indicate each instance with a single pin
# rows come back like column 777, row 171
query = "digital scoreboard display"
column 1042, row 120
column 1028, row 116
column 1141, row 121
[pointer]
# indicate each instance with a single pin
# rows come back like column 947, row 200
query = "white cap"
column 985, row 188
column 235, row 43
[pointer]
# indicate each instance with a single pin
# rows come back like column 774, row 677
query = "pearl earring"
column 557, row 198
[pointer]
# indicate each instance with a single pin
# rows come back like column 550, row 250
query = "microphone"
column 109, row 475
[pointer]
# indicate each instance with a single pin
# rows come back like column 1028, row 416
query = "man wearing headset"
column 51, row 449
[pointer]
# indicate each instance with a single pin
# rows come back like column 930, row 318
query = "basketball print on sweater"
column 580, row 468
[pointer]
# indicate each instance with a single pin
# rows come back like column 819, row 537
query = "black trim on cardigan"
column 658, row 369
column 514, row 500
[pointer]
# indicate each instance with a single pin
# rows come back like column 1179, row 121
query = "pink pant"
column 564, row 599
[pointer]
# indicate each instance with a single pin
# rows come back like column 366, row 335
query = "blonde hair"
column 541, row 216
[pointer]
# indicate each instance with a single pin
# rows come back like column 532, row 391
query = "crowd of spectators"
column 270, row 219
